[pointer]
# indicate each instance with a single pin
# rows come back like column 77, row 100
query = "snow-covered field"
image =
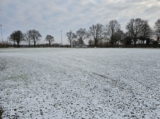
column 53, row 83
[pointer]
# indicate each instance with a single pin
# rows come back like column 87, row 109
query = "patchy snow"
column 52, row 83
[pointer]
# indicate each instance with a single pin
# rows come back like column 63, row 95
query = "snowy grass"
column 53, row 83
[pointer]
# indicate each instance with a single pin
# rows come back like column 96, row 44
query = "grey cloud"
column 51, row 16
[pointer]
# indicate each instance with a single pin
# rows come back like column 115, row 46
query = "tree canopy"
column 17, row 36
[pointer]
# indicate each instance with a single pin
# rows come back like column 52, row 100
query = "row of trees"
column 137, row 29
column 29, row 36
column 112, row 34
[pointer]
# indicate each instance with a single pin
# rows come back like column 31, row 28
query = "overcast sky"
column 52, row 16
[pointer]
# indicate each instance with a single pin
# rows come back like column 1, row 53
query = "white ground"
column 52, row 83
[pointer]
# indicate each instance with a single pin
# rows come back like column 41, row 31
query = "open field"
column 52, row 83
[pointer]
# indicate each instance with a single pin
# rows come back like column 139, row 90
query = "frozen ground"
column 80, row 83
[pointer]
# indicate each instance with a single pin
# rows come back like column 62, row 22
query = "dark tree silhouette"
column 16, row 36
column 74, row 42
column 134, row 28
column 91, row 43
column 147, row 41
column 50, row 39
column 128, row 40
column 81, row 35
column 34, row 35
column 157, row 29
column 71, row 36
column 146, row 31
column 27, row 38
column 119, row 36
column 112, row 29
column 96, row 33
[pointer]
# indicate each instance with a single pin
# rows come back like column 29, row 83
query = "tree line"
column 30, row 36
column 98, row 35
column 112, row 34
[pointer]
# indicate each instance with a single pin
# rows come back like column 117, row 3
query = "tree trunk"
column 70, row 44
column 50, row 43
column 29, row 43
column 34, row 43
column 18, row 44
column 134, row 42
column 14, row 43
column 95, row 42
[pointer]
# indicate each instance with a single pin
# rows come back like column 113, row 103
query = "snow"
column 70, row 83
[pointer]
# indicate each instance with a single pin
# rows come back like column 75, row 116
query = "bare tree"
column 16, row 36
column 70, row 36
column 12, row 39
column 119, row 36
column 157, row 29
column 81, row 35
column 111, row 29
column 96, row 33
column 134, row 28
column 146, row 31
column 74, row 42
column 27, row 37
column 50, row 39
column 127, row 40
column 34, row 35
